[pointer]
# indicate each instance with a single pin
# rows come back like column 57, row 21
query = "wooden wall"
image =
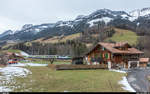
column 97, row 51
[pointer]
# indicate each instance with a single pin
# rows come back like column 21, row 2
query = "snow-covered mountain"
column 8, row 32
column 34, row 28
column 109, row 17
column 140, row 13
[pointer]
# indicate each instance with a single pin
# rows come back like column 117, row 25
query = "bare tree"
column 3, row 59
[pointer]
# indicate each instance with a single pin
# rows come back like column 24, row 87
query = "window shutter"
column 107, row 56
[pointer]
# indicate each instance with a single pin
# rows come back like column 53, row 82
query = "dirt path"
column 138, row 79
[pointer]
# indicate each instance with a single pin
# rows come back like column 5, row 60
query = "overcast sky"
column 15, row 13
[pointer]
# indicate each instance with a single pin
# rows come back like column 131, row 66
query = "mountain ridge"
column 79, row 24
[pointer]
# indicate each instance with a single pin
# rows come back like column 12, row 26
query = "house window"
column 103, row 48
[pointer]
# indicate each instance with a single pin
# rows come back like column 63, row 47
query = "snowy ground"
column 27, row 64
column 124, row 81
column 7, row 75
column 24, row 53
column 14, row 70
column 126, row 85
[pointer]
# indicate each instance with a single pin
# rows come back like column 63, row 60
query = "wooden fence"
column 76, row 67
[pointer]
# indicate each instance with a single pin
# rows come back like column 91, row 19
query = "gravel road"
column 138, row 79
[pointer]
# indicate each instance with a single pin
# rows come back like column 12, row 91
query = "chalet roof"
column 112, row 48
column 144, row 60
column 120, row 44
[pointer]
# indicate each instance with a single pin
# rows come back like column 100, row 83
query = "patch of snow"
column 80, row 17
column 37, row 30
column 124, row 16
column 135, row 13
column 62, row 24
column 44, row 26
column 131, row 79
column 105, row 19
column 26, row 26
column 66, row 91
column 138, row 24
column 145, row 12
column 126, row 85
column 65, row 24
column 24, row 53
column 27, row 64
column 14, row 71
column 120, row 71
column 78, row 20
column 16, row 54
column 139, row 13
column 7, row 75
column 5, row 89
column 132, row 18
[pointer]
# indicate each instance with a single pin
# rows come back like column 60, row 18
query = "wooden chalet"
column 114, row 55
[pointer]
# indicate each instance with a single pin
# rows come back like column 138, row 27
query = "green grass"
column 13, row 50
column 57, row 39
column 45, row 80
column 7, row 45
column 39, row 61
column 122, row 35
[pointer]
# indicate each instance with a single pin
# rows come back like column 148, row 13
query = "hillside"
column 19, row 52
column 57, row 39
column 7, row 45
column 122, row 35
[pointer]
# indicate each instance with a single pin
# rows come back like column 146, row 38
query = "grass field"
column 45, row 80
column 40, row 61
column 122, row 35
column 12, row 51
column 8, row 44
column 57, row 39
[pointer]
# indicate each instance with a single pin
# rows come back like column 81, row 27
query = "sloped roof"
column 121, row 44
column 112, row 48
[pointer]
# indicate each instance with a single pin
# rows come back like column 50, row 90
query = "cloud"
column 6, row 23
column 15, row 13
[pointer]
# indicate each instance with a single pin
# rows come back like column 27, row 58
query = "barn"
column 114, row 55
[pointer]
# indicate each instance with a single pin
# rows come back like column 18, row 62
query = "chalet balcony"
column 131, row 58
